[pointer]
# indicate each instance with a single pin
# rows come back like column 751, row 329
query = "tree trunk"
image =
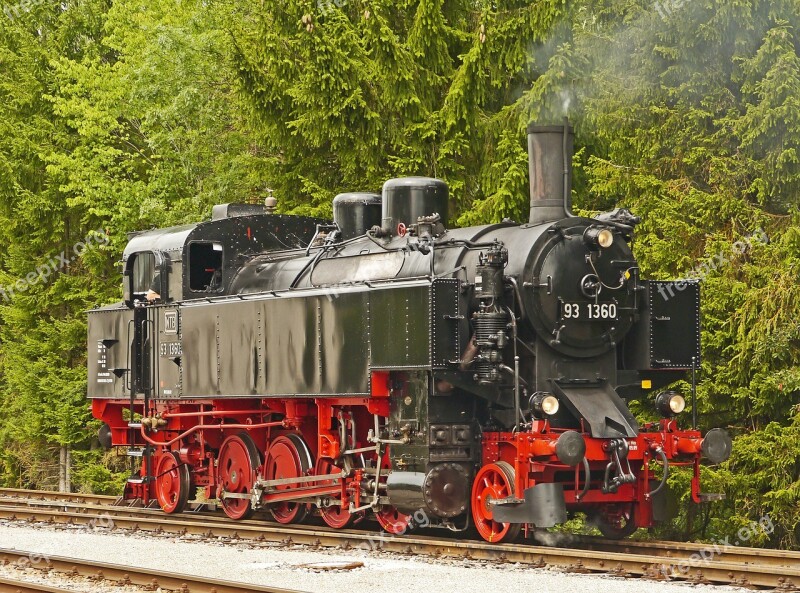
column 62, row 470
column 65, row 470
column 68, row 472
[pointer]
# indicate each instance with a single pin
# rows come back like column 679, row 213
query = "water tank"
column 407, row 198
column 223, row 211
column 355, row 213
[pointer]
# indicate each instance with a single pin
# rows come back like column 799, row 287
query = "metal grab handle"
column 586, row 470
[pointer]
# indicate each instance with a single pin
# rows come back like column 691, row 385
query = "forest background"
column 124, row 115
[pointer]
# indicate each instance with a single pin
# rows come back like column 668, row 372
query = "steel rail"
column 670, row 551
column 660, row 567
column 126, row 575
column 15, row 586
column 676, row 550
column 45, row 495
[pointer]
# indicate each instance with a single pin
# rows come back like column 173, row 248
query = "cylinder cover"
column 443, row 491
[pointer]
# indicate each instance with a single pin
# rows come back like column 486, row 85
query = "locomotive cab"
column 180, row 264
column 199, row 260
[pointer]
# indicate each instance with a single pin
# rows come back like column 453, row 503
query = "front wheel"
column 493, row 482
column 392, row 521
column 616, row 521
column 172, row 483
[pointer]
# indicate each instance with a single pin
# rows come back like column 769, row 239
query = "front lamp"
column 543, row 403
column 670, row 403
column 598, row 237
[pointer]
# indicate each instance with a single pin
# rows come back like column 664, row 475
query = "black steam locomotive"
column 389, row 365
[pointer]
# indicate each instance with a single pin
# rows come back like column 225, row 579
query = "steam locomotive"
column 387, row 365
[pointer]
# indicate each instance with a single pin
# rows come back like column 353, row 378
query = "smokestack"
column 550, row 168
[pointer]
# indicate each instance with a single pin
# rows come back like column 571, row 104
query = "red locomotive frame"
column 186, row 435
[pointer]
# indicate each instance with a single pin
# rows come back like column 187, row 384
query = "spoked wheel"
column 392, row 521
column 615, row 522
column 288, row 457
column 172, row 483
column 389, row 518
column 493, row 482
column 334, row 516
column 238, row 463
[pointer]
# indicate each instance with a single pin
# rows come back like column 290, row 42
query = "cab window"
column 205, row 266
column 143, row 271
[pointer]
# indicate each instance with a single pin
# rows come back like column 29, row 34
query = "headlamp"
column 544, row 403
column 598, row 237
column 670, row 403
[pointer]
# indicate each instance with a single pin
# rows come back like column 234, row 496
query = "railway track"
column 44, row 495
column 92, row 572
column 15, row 586
column 659, row 560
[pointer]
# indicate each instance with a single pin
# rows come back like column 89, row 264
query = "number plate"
column 589, row 311
column 170, row 349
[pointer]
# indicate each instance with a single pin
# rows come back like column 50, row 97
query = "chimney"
column 550, row 168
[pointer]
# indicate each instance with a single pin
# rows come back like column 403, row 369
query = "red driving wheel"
column 392, row 521
column 389, row 518
column 288, row 457
column 238, row 463
column 493, row 482
column 334, row 516
column 172, row 483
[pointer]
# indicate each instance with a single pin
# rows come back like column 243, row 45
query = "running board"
column 711, row 496
column 146, row 452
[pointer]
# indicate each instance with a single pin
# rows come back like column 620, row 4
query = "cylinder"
column 357, row 212
column 407, row 198
column 550, row 168
column 443, row 491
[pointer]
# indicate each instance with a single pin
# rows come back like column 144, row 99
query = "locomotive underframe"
column 337, row 430
column 532, row 457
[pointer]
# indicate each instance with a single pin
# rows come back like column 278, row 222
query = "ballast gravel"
column 301, row 568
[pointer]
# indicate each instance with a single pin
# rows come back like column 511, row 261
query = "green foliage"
column 114, row 117
column 691, row 121
column 349, row 96
column 98, row 472
column 763, row 478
